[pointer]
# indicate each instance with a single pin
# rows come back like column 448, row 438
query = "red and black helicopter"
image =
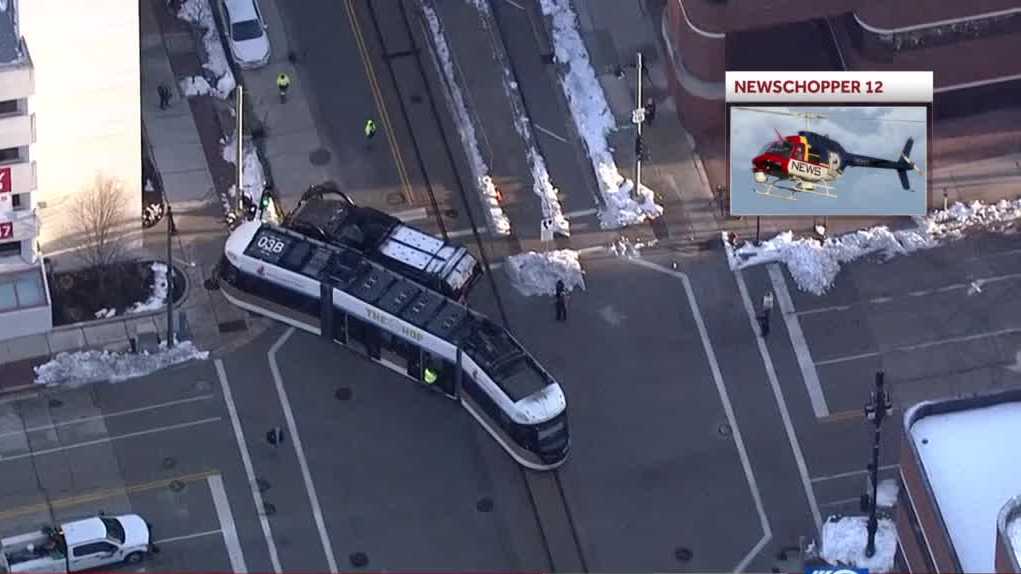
column 810, row 162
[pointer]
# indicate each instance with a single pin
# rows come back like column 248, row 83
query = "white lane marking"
column 106, row 416
column 852, row 473
column 581, row 213
column 407, row 216
column 515, row 4
column 246, row 459
column 728, row 409
column 785, row 415
column 226, row 518
column 186, row 537
column 317, row 512
column 107, row 439
column 801, row 351
column 925, row 345
column 549, row 133
column 822, row 309
column 845, row 359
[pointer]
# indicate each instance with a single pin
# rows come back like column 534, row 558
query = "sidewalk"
column 181, row 146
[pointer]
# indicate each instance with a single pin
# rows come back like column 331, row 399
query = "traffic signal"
column 640, row 151
column 264, row 201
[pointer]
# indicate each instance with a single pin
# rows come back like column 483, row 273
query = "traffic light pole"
column 877, row 409
column 240, row 159
column 639, row 119
column 170, row 280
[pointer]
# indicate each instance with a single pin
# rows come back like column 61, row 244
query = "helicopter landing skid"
column 782, row 190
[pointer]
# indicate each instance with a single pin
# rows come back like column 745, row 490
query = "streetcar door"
column 326, row 315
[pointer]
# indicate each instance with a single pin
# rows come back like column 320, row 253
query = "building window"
column 16, row 200
column 10, row 248
column 9, row 153
column 22, row 290
column 8, row 107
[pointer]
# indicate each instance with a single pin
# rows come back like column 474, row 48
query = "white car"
column 246, row 32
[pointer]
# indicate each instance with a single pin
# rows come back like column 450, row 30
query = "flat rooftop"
column 9, row 40
column 970, row 458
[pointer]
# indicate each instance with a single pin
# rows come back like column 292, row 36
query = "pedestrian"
column 370, row 129
column 275, row 436
column 650, row 111
column 164, row 93
column 767, row 307
column 283, row 84
column 170, row 220
column 561, row 301
column 764, row 324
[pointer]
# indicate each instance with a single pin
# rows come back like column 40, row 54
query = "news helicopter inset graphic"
column 810, row 162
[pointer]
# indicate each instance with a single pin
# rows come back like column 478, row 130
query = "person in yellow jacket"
column 283, row 83
column 429, row 376
column 370, row 129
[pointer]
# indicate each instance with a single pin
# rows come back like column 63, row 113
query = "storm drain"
column 359, row 559
column 343, row 394
column 232, row 326
column 682, row 554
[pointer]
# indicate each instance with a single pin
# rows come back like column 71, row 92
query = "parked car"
column 246, row 32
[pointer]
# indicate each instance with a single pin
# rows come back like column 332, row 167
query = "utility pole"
column 241, row 154
column 878, row 408
column 170, row 277
column 638, row 118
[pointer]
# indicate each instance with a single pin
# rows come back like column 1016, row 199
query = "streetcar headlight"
column 760, row 177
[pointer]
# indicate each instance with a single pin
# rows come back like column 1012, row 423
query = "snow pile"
column 105, row 313
column 195, row 86
column 594, row 122
column 886, row 493
column 158, row 297
column 542, row 186
column 498, row 221
column 91, row 366
column 3, row 5
column 198, row 13
column 537, row 273
column 815, row 263
column 255, row 177
column 624, row 247
column 844, row 540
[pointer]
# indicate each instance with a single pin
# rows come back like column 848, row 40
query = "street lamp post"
column 170, row 276
column 876, row 410
column 638, row 118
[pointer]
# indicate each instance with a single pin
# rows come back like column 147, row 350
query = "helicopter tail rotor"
column 906, row 163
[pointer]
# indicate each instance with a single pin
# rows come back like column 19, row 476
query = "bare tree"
column 98, row 217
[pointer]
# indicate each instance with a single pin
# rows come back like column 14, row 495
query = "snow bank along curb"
column 534, row 273
column 594, row 121
column 541, row 184
column 814, row 263
column 498, row 221
column 844, row 540
column 200, row 15
column 255, row 176
column 82, row 367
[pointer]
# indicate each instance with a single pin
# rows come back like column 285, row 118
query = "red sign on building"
column 6, row 230
column 5, row 180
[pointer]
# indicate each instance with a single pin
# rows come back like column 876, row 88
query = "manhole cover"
column 176, row 486
column 724, row 430
column 484, row 504
column 54, row 403
column 169, row 462
column 263, row 484
column 269, row 509
column 343, row 394
column 395, row 198
column 359, row 559
column 320, row 156
column 682, row 554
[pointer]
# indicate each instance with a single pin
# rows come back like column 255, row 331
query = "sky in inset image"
column 878, row 132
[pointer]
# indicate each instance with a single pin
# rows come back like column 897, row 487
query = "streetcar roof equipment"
column 489, row 345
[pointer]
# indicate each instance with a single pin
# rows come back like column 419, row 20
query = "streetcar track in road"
column 533, row 481
column 377, row 95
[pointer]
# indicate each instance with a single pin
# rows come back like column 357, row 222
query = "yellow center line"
column 103, row 494
column 377, row 95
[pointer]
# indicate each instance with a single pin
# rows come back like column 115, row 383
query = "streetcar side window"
column 339, row 326
column 482, row 398
column 366, row 335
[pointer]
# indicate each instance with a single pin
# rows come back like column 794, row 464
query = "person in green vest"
column 429, row 376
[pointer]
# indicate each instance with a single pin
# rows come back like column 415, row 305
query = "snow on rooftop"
column 970, row 459
column 537, row 273
column 594, row 121
column 82, row 367
column 814, row 263
column 844, row 540
column 498, row 221
column 199, row 14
